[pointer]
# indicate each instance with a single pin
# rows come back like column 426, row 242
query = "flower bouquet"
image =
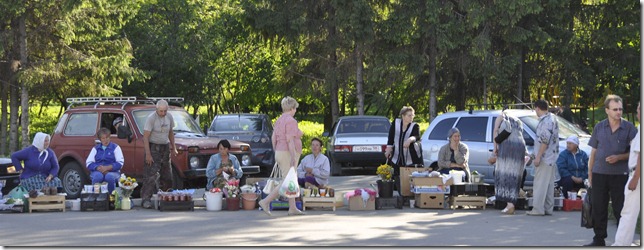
column 231, row 189
column 385, row 172
column 127, row 185
column 386, row 182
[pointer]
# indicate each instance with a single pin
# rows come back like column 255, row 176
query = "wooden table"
column 322, row 202
column 47, row 202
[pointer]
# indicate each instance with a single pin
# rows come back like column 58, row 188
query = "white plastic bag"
column 290, row 188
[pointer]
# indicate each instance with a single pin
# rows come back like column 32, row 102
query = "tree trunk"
column 433, row 53
column 359, row 79
column 24, row 99
column 520, row 83
column 333, row 67
column 5, row 77
column 14, row 101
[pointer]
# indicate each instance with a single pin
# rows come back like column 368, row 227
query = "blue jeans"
column 110, row 178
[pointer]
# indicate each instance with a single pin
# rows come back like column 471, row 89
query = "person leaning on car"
column 573, row 166
column 454, row 155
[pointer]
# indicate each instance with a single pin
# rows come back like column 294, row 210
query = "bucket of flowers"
column 231, row 191
column 386, row 182
column 126, row 186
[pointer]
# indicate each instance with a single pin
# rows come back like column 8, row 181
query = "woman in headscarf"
column 38, row 164
column 454, row 155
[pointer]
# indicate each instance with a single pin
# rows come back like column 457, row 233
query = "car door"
column 474, row 134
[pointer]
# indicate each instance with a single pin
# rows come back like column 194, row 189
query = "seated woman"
column 221, row 163
column 40, row 164
column 573, row 166
column 105, row 160
column 454, row 155
column 314, row 169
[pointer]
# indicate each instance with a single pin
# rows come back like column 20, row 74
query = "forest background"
column 336, row 57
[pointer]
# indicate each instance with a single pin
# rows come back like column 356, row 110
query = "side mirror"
column 529, row 141
column 124, row 132
column 325, row 134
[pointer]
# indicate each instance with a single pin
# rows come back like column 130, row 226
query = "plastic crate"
column 95, row 202
column 177, row 205
column 393, row 202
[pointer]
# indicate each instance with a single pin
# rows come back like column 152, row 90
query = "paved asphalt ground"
column 320, row 227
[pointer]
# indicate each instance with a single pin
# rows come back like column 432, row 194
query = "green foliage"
column 311, row 130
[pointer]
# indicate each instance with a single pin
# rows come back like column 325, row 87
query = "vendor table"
column 47, row 202
column 469, row 194
column 323, row 202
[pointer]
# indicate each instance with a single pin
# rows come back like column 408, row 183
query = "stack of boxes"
column 431, row 192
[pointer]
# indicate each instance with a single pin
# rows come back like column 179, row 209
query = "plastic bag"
column 18, row 192
column 586, row 211
column 290, row 188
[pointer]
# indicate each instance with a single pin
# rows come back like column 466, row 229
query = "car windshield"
column 565, row 128
column 183, row 123
column 237, row 123
column 363, row 126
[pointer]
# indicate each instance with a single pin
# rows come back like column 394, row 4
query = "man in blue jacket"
column 573, row 166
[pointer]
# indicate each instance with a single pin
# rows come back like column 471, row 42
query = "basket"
column 477, row 178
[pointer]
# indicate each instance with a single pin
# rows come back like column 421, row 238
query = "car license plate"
column 366, row 148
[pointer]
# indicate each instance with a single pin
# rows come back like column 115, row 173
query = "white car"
column 357, row 141
column 476, row 131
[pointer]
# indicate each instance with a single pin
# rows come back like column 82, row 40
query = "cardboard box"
column 357, row 204
column 430, row 181
column 431, row 189
column 431, row 200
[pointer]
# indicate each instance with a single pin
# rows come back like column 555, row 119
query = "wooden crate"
column 322, row 202
column 47, row 202
column 467, row 200
column 177, row 206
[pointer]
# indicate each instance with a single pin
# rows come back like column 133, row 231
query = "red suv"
column 75, row 134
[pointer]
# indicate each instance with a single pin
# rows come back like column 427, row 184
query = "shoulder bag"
column 273, row 180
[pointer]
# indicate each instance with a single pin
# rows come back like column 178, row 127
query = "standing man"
column 608, row 165
column 626, row 227
column 545, row 161
column 158, row 139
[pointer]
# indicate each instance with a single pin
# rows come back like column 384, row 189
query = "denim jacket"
column 215, row 163
column 573, row 164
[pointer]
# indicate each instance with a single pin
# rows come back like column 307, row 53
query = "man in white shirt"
column 631, row 209
column 314, row 168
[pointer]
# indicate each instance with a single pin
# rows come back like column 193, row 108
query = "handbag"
column 290, row 188
column 586, row 211
column 505, row 129
column 273, row 180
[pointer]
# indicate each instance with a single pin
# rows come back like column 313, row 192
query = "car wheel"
column 336, row 168
column 177, row 181
column 73, row 178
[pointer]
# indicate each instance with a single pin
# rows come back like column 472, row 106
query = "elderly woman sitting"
column 454, row 155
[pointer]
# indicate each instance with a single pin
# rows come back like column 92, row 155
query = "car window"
column 61, row 122
column 565, row 127
column 348, row 126
column 440, row 130
column 243, row 123
column 82, row 124
column 472, row 128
